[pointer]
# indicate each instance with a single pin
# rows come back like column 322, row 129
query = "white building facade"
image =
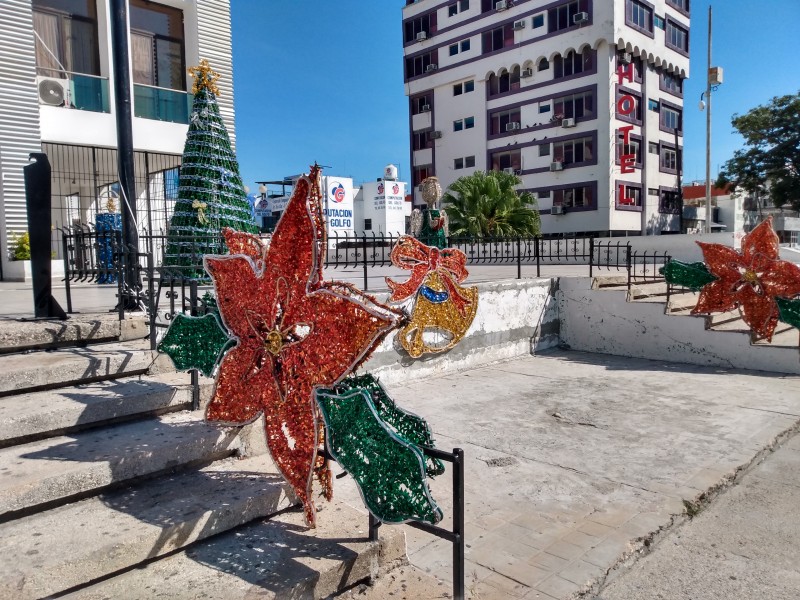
column 56, row 97
column 582, row 99
column 378, row 207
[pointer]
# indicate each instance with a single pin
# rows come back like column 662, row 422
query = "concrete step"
column 28, row 417
column 406, row 582
column 609, row 281
column 17, row 335
column 68, row 366
column 277, row 558
column 41, row 474
column 785, row 336
column 78, row 543
column 682, row 302
column 640, row 291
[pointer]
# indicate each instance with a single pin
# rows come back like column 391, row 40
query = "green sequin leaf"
column 196, row 343
column 409, row 426
column 789, row 311
column 691, row 275
column 389, row 470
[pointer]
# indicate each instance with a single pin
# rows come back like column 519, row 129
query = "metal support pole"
column 67, row 275
column 364, row 250
column 538, row 242
column 591, row 255
column 708, row 129
column 628, row 264
column 519, row 259
column 458, row 523
column 125, row 159
column 374, row 524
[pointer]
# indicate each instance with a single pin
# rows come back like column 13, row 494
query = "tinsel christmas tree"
column 210, row 190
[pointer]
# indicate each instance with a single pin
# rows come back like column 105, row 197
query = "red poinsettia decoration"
column 294, row 333
column 750, row 280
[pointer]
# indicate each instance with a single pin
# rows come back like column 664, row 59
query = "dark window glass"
column 412, row 27
column 157, row 45
column 66, row 37
column 538, row 21
column 469, row 161
column 561, row 17
column 677, row 37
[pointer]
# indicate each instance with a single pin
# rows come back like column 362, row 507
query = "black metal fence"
column 92, row 256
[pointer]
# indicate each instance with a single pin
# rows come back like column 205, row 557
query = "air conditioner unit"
column 431, row 67
column 557, row 210
column 512, row 126
column 556, row 166
column 422, row 36
column 53, row 91
column 580, row 18
column 502, row 5
column 425, row 108
column 518, row 172
column 509, row 170
column 519, row 25
column 568, row 123
column 626, row 58
column 435, row 135
column 526, row 73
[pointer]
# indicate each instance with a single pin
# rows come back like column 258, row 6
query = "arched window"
column 543, row 65
column 494, row 85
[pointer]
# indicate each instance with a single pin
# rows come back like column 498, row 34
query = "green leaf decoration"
column 691, row 275
column 409, row 426
column 388, row 469
column 789, row 311
column 196, row 343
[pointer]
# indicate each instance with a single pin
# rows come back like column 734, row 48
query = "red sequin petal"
column 722, row 261
column 758, row 311
column 242, row 391
column 781, row 278
column 760, row 245
column 716, row 296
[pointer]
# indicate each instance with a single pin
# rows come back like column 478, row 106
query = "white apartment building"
column 56, row 97
column 582, row 99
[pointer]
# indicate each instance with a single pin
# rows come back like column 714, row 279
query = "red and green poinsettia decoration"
column 755, row 280
column 294, row 333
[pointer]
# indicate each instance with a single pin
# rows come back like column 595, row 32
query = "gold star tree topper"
column 204, row 77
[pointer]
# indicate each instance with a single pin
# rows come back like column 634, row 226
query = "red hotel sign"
column 625, row 106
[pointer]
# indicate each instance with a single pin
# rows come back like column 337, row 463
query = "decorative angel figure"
column 430, row 225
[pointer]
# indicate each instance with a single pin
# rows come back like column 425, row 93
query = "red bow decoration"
column 412, row 255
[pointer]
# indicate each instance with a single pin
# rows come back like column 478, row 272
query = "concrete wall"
column 513, row 318
column 603, row 321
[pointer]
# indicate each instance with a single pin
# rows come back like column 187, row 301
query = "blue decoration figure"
column 109, row 231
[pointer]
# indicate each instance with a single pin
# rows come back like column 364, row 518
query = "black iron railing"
column 164, row 288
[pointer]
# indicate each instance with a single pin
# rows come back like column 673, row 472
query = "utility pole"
column 708, row 129
column 131, row 283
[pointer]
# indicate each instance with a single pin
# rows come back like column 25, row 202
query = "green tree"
column 487, row 205
column 771, row 156
column 210, row 190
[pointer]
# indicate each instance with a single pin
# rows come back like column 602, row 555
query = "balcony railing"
column 161, row 104
column 73, row 90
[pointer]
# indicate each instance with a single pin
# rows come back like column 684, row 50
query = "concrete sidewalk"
column 743, row 546
column 576, row 462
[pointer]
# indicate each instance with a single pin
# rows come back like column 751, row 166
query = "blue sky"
column 323, row 81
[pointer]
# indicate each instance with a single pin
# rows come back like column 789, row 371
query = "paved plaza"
column 577, row 463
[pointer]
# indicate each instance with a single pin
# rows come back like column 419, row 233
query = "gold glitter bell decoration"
column 437, row 326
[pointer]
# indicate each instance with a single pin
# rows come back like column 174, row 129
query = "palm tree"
column 487, row 205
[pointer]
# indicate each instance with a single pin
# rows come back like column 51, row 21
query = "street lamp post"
column 708, row 129
column 713, row 79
